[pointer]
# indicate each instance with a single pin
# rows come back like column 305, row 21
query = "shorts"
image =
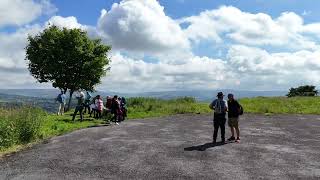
column 233, row 121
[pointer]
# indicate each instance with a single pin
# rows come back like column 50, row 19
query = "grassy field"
column 151, row 107
column 20, row 127
column 282, row 105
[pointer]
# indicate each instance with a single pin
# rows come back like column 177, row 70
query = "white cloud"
column 231, row 24
column 68, row 22
column 259, row 69
column 141, row 25
column 20, row 12
column 139, row 29
column 138, row 75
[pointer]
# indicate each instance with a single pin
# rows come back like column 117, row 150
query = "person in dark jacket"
column 219, row 120
column 233, row 117
column 115, row 109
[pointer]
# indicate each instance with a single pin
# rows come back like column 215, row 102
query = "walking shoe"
column 238, row 139
column 231, row 138
column 117, row 123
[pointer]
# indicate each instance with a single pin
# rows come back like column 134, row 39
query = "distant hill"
column 201, row 95
column 209, row 95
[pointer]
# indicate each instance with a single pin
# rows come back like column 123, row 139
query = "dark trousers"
column 87, row 106
column 99, row 114
column 80, row 110
column 219, row 121
column 115, row 117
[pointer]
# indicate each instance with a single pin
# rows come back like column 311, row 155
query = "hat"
column 230, row 95
column 220, row 94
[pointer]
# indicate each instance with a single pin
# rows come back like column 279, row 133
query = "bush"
column 306, row 90
column 19, row 126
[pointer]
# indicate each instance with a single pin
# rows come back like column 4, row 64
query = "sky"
column 170, row 45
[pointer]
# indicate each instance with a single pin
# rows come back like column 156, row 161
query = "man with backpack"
column 234, row 110
column 219, row 120
column 61, row 99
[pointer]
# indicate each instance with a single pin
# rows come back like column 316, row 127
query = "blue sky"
column 191, row 44
column 88, row 10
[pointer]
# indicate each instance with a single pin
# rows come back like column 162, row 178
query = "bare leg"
column 237, row 131
column 232, row 131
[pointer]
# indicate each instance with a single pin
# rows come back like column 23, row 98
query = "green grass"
column 281, row 105
column 152, row 107
column 20, row 127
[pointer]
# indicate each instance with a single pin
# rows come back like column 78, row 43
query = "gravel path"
column 176, row 147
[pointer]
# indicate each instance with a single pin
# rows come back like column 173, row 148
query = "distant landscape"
column 44, row 98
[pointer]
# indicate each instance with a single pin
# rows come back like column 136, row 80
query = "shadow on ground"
column 205, row 146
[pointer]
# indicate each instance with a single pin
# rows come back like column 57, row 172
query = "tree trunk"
column 70, row 98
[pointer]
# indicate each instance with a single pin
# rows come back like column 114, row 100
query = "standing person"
column 80, row 105
column 61, row 98
column 124, row 107
column 219, row 120
column 233, row 117
column 99, row 105
column 93, row 107
column 87, row 103
column 115, row 108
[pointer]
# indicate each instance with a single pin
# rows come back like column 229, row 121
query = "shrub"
column 306, row 90
column 19, row 125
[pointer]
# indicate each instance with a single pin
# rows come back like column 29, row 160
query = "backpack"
column 241, row 110
column 218, row 107
column 59, row 98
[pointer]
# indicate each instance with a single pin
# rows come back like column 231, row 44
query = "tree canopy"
column 68, row 58
column 307, row 90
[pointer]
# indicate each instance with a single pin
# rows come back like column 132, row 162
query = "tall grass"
column 20, row 126
column 282, row 105
column 141, row 107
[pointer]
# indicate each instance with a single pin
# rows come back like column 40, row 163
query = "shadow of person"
column 203, row 147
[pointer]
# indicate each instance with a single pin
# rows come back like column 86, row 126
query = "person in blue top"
column 220, row 108
column 61, row 99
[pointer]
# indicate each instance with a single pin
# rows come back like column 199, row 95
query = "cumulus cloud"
column 138, row 75
column 230, row 23
column 20, row 12
column 141, row 25
column 260, row 69
column 152, row 52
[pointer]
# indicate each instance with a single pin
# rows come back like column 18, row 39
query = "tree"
column 68, row 58
column 307, row 90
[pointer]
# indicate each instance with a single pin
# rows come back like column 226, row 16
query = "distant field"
column 282, row 105
column 152, row 107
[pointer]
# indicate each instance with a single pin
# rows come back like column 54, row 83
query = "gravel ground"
column 176, row 147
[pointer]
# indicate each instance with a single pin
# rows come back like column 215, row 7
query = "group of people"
column 116, row 106
column 221, row 108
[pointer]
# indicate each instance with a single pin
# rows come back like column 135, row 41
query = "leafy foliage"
column 307, row 90
column 68, row 58
column 19, row 126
